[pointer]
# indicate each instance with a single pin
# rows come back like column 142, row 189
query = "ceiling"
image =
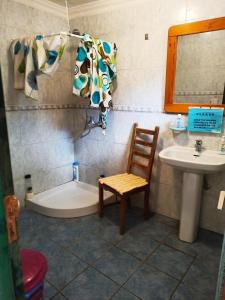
column 71, row 3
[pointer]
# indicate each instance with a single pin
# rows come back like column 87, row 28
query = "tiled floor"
column 89, row 260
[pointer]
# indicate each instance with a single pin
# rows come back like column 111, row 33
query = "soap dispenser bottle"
column 222, row 145
column 179, row 121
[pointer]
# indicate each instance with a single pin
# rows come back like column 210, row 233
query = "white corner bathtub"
column 70, row 200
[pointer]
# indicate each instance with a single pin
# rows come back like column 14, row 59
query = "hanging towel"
column 94, row 72
column 49, row 51
column 25, row 66
column 33, row 56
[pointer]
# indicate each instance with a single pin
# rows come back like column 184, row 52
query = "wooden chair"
column 124, row 185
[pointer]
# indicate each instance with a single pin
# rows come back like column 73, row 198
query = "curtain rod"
column 64, row 33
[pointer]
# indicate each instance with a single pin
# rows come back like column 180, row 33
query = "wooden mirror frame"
column 173, row 34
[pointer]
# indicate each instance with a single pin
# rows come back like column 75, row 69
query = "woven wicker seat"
column 126, row 184
column 123, row 183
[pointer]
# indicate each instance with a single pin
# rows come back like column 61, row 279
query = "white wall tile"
column 166, row 199
column 14, row 127
column 47, row 136
column 211, row 218
column 40, row 141
column 17, row 161
column 201, row 9
column 141, row 83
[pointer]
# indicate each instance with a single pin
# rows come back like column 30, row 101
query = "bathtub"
column 70, row 200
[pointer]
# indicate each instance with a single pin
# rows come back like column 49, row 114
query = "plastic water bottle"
column 28, row 187
column 76, row 176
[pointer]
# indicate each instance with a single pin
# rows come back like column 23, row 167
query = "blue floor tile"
column 90, row 223
column 90, row 285
column 166, row 220
column 185, row 293
column 170, row 261
column 28, row 228
column 58, row 297
column 37, row 241
column 76, row 227
column 202, row 275
column 63, row 267
column 89, row 248
column 138, row 245
column 154, row 229
column 66, row 231
column 207, row 243
column 69, row 243
column 173, row 241
column 122, row 294
column 134, row 216
column 117, row 265
column 49, row 290
column 31, row 219
column 148, row 283
column 108, row 231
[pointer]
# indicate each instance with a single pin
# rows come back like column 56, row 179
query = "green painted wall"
column 10, row 272
column 6, row 280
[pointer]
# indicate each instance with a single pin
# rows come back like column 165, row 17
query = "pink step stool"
column 34, row 269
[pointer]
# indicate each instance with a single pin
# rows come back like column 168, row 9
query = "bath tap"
column 198, row 146
column 89, row 125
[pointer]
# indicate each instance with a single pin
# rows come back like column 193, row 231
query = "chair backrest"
column 141, row 138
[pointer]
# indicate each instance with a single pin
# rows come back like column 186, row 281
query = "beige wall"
column 140, row 87
column 41, row 141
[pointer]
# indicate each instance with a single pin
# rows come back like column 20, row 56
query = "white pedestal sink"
column 194, row 167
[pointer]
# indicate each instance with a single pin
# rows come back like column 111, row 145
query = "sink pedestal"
column 190, row 206
column 194, row 168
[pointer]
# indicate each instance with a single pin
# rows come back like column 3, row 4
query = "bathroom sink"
column 194, row 165
column 186, row 158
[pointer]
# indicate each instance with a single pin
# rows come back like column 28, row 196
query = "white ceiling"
column 71, row 3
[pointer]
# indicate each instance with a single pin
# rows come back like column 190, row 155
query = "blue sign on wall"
column 205, row 120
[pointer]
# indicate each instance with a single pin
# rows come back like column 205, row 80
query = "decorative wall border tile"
column 124, row 108
column 136, row 109
column 80, row 106
column 197, row 93
column 39, row 107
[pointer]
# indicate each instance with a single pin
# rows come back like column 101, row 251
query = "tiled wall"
column 140, row 86
column 41, row 144
column 41, row 141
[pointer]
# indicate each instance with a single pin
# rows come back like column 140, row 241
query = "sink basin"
column 208, row 161
column 194, row 166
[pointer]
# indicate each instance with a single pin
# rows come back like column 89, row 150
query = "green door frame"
column 11, row 282
column 6, row 277
column 221, row 276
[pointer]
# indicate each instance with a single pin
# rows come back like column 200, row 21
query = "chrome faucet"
column 198, row 145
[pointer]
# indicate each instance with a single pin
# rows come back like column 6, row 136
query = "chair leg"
column 123, row 206
column 100, row 203
column 146, row 205
column 128, row 202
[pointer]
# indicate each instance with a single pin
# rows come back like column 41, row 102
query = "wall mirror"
column 195, row 74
